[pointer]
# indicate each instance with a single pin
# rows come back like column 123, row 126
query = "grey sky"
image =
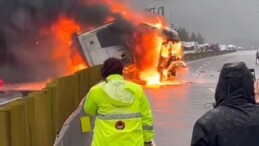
column 223, row 21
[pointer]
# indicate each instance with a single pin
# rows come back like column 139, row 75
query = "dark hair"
column 111, row 66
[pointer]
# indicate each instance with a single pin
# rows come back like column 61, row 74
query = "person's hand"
column 256, row 91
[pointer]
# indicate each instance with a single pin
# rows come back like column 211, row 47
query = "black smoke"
column 24, row 53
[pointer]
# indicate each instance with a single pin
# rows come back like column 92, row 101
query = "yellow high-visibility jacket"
column 123, row 114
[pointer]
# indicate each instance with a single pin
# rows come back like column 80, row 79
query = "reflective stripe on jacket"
column 123, row 114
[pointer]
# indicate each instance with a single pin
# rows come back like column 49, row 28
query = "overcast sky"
column 224, row 21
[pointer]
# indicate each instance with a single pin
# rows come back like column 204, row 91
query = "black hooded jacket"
column 235, row 119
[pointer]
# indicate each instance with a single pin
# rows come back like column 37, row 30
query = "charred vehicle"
column 107, row 41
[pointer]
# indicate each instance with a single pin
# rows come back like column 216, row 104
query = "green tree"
column 183, row 34
column 200, row 39
column 193, row 37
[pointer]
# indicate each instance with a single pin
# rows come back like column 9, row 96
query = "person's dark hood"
column 235, row 85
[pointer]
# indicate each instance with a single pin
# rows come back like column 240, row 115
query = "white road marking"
column 197, row 60
column 212, row 90
column 3, row 103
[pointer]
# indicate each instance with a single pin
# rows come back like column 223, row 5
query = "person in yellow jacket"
column 123, row 114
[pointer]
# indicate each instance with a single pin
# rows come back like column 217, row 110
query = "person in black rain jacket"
column 234, row 121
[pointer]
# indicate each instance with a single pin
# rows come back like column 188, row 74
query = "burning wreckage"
column 151, row 54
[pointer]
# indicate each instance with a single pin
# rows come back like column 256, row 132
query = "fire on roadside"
column 64, row 50
column 147, row 46
column 62, row 32
column 148, row 43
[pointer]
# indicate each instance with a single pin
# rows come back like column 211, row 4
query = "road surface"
column 176, row 108
column 9, row 96
column 11, row 92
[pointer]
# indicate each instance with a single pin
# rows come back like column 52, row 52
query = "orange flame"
column 148, row 43
column 64, row 50
column 147, row 54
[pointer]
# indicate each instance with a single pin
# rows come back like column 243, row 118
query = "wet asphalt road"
column 6, row 97
column 176, row 108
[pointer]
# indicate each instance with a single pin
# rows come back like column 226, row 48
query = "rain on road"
column 176, row 108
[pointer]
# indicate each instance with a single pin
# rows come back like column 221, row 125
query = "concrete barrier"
column 195, row 56
column 36, row 119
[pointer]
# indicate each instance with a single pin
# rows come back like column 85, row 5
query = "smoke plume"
column 25, row 53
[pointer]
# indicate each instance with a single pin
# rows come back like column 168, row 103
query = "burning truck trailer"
column 107, row 41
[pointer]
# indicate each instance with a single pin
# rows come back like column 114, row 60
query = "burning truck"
column 150, row 51
column 151, row 54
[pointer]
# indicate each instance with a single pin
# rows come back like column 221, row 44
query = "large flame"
column 147, row 46
column 62, row 32
column 148, row 42
column 65, row 54
column 147, row 50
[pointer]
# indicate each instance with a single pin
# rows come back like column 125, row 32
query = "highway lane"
column 176, row 108
column 9, row 96
column 10, row 92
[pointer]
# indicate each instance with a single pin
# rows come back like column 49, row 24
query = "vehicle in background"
column 231, row 47
column 202, row 47
column 191, row 47
column 227, row 47
column 240, row 48
column 223, row 47
column 214, row 47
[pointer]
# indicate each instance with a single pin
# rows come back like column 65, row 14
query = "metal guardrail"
column 194, row 56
